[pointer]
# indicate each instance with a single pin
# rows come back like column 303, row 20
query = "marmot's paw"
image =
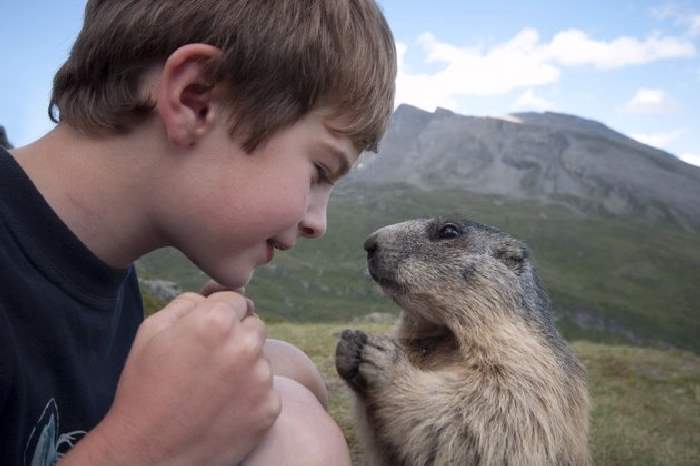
column 348, row 355
column 363, row 359
column 379, row 358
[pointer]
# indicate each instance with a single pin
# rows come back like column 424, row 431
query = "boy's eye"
column 323, row 174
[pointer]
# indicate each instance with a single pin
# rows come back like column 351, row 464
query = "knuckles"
column 246, row 346
column 272, row 408
column 215, row 322
column 262, row 372
column 269, row 407
column 216, row 319
column 241, row 357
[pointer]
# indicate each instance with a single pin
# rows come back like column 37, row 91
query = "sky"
column 632, row 65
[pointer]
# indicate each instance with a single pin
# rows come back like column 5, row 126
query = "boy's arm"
column 195, row 389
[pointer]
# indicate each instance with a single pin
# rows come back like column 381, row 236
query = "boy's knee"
column 289, row 361
column 304, row 434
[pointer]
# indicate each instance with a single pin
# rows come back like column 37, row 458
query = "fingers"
column 240, row 305
column 255, row 333
column 173, row 311
column 181, row 305
column 223, row 309
column 212, row 286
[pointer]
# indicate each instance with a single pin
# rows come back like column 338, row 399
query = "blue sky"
column 633, row 65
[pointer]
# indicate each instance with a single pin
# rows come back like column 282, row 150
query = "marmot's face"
column 424, row 260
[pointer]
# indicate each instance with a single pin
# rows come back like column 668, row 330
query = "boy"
column 217, row 127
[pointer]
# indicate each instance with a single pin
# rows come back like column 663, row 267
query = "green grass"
column 646, row 402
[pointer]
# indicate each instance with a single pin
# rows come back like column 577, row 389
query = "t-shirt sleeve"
column 7, row 358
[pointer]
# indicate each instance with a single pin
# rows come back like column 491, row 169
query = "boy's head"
column 305, row 84
column 279, row 60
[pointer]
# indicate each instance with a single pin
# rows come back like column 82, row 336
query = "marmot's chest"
column 432, row 352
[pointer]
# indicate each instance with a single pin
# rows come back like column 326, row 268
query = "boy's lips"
column 274, row 244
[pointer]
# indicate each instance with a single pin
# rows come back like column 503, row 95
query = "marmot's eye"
column 449, row 231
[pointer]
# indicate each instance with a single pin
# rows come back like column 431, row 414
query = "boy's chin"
column 233, row 280
column 232, row 275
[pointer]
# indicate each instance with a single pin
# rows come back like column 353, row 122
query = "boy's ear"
column 185, row 98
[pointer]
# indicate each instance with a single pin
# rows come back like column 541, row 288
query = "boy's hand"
column 195, row 389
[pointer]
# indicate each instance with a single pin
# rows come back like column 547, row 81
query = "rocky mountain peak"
column 549, row 157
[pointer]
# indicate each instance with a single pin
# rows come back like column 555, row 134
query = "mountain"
column 548, row 157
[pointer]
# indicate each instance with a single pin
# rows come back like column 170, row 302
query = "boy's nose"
column 313, row 225
column 313, row 229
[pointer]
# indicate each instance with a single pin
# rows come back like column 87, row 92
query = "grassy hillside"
column 611, row 279
column 646, row 403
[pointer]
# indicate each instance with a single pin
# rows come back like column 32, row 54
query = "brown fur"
column 475, row 372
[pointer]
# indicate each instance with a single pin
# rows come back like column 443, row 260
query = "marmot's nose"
column 371, row 246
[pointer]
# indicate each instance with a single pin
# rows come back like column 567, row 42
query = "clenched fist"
column 195, row 389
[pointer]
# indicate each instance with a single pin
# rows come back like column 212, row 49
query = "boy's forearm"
column 110, row 443
column 99, row 448
column 90, row 451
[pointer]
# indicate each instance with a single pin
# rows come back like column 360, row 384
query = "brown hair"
column 280, row 59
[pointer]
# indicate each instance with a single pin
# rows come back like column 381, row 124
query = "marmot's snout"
column 425, row 255
column 371, row 246
column 375, row 263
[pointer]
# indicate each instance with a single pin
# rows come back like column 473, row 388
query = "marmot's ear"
column 513, row 254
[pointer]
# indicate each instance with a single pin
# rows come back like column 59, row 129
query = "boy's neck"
column 99, row 188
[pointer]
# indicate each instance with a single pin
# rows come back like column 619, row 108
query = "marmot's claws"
column 354, row 335
column 348, row 355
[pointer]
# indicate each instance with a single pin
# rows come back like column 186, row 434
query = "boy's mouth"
column 272, row 245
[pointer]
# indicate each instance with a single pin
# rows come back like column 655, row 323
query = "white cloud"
column 693, row 159
column 659, row 140
column 529, row 100
column 649, row 101
column 574, row 47
column 468, row 71
column 419, row 89
column 519, row 63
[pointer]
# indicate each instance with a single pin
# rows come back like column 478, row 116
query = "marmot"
column 475, row 372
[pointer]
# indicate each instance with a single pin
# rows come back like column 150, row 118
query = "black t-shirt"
column 67, row 322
